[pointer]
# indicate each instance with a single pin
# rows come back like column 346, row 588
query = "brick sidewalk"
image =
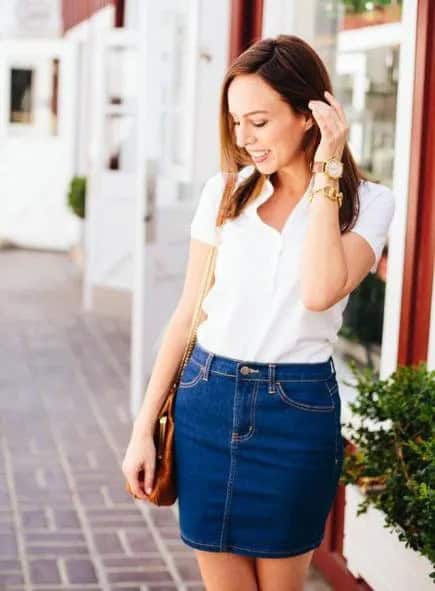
column 65, row 520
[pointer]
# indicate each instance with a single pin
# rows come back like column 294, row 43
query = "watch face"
column 334, row 168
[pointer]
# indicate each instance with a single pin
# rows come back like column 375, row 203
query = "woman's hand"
column 333, row 127
column 140, row 455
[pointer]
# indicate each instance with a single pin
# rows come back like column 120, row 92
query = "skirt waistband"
column 256, row 370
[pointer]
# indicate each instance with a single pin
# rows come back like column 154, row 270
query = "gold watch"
column 332, row 167
column 328, row 191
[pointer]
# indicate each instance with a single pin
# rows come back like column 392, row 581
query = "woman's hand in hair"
column 333, row 127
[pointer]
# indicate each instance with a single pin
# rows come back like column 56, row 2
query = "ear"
column 308, row 123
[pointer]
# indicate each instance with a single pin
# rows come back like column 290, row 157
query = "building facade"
column 126, row 93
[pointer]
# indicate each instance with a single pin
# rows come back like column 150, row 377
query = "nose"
column 242, row 136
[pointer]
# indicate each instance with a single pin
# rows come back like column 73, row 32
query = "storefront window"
column 360, row 43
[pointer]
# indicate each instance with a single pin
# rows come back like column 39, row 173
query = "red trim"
column 420, row 231
column 245, row 25
column 119, row 13
column 77, row 11
column 329, row 559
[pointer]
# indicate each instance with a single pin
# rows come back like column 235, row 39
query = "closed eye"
column 254, row 124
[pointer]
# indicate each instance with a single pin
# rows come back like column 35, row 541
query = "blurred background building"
column 109, row 128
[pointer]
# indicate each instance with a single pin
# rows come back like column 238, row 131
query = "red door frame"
column 246, row 23
column 420, row 229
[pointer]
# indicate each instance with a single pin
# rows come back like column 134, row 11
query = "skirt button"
column 244, row 369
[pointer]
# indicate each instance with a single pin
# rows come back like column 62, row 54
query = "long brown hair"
column 292, row 68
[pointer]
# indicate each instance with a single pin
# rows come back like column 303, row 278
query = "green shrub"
column 397, row 452
column 77, row 195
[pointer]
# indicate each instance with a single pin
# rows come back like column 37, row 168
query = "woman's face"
column 272, row 137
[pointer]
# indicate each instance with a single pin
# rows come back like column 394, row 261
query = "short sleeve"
column 377, row 206
column 203, row 224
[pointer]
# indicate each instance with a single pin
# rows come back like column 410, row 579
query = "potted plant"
column 76, row 200
column 392, row 460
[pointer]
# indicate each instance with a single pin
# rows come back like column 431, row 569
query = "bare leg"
column 283, row 574
column 226, row 571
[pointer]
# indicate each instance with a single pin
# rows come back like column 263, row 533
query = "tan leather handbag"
column 164, row 490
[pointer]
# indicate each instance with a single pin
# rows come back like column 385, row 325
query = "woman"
column 258, row 444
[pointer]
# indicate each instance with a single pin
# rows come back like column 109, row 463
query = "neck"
column 293, row 179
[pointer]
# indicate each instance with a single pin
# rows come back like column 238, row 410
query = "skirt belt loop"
column 206, row 369
column 332, row 365
column 271, row 385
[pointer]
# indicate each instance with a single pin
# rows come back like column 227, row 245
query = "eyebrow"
column 251, row 113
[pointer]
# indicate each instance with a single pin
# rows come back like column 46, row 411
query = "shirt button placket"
column 277, row 256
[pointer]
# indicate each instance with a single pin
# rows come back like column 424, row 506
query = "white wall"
column 37, row 165
column 83, row 35
column 30, row 18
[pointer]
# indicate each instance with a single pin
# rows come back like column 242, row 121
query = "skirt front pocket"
column 308, row 395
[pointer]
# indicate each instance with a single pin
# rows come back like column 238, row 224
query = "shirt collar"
column 266, row 192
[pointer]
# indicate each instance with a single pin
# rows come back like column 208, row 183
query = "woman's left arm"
column 332, row 264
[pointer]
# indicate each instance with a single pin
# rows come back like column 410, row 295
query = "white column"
column 289, row 18
column 402, row 155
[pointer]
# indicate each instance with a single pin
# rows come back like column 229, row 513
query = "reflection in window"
column 21, row 99
column 361, row 13
column 367, row 83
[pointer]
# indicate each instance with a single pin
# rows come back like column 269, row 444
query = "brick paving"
column 66, row 522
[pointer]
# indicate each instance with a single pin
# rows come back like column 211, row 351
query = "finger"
column 327, row 125
column 331, row 127
column 328, row 131
column 149, row 478
column 337, row 106
column 137, row 486
column 134, row 482
column 135, row 490
column 330, row 115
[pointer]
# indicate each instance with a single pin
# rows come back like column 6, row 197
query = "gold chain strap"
column 197, row 313
column 328, row 191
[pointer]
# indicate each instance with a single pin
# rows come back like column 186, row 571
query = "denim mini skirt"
column 258, row 454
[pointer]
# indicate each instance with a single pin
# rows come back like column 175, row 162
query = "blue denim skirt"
column 258, row 454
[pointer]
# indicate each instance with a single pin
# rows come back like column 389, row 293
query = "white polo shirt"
column 254, row 308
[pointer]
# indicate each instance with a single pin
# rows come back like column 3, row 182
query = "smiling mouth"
column 260, row 156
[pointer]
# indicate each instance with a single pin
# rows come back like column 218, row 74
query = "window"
column 21, row 99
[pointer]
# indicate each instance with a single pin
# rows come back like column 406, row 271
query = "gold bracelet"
column 328, row 191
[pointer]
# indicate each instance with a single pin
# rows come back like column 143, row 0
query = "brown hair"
column 293, row 69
